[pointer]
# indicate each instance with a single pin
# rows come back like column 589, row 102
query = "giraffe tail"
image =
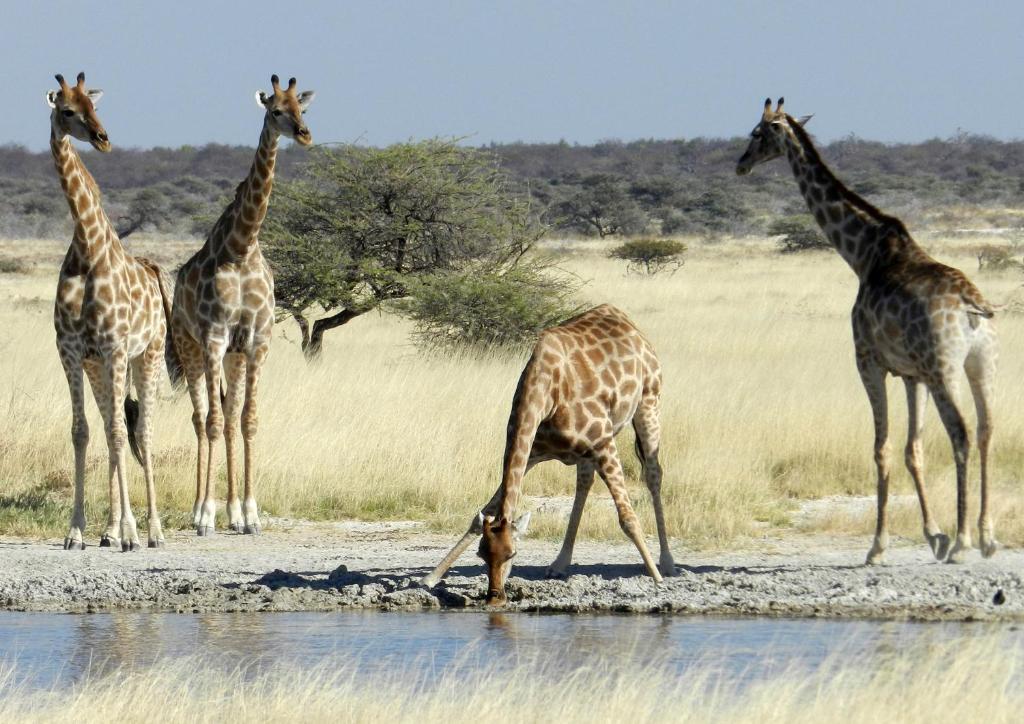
column 131, row 417
column 640, row 454
column 175, row 370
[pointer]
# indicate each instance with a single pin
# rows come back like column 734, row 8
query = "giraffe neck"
column 241, row 235
column 863, row 235
column 92, row 236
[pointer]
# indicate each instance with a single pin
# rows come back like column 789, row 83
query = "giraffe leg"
column 117, row 438
column 214, row 430
column 75, row 539
column 144, row 372
column 980, row 367
column 873, row 378
column 945, row 401
column 250, row 421
column 584, row 481
column 609, row 468
column 234, row 374
column 111, row 537
column 191, row 357
column 917, row 399
column 647, row 425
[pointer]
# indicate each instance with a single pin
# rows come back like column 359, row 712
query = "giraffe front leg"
column 873, row 378
column 214, row 431
column 584, row 481
column 75, row 538
column 98, row 380
column 250, row 423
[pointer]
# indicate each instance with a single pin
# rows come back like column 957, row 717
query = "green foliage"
column 600, row 204
column 14, row 266
column 489, row 309
column 798, row 233
column 992, row 257
column 148, row 208
column 651, row 256
column 364, row 226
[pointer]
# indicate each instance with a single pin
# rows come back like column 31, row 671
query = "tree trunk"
column 312, row 345
column 303, row 327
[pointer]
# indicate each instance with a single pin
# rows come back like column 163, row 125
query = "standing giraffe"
column 110, row 313
column 586, row 379
column 914, row 318
column 223, row 316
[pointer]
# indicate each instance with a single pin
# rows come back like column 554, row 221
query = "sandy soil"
column 304, row 566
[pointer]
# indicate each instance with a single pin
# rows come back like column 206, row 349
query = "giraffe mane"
column 852, row 197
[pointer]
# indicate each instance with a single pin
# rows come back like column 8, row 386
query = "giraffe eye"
column 277, row 112
column 67, row 114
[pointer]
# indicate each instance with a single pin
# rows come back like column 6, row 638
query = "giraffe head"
column 497, row 549
column 285, row 108
column 768, row 139
column 74, row 112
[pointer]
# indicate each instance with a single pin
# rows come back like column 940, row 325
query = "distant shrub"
column 14, row 266
column 798, row 233
column 651, row 256
column 992, row 257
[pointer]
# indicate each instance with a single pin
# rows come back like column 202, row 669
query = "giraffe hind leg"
column 980, row 367
column 647, row 425
column 917, row 399
column 945, row 401
column 234, row 376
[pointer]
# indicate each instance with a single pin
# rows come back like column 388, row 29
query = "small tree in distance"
column 798, row 233
column 651, row 256
column 367, row 228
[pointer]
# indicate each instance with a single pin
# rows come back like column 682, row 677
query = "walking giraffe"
column 223, row 317
column 110, row 312
column 586, row 379
column 914, row 318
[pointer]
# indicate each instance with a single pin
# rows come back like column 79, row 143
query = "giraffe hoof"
column 875, row 558
column 668, row 570
column 130, row 547
column 253, row 529
column 204, row 530
column 939, row 543
column 236, row 527
column 105, row 542
column 157, row 543
column 73, row 545
column 957, row 555
column 556, row 574
column 989, row 548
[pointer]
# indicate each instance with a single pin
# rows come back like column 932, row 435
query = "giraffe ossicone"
column 914, row 318
column 223, row 317
column 586, row 379
column 110, row 315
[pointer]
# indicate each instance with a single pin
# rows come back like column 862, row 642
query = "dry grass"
column 762, row 405
column 974, row 681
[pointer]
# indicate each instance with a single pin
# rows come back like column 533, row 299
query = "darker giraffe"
column 914, row 318
column 586, row 379
column 223, row 317
column 110, row 314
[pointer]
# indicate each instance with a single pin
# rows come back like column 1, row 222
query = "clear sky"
column 184, row 72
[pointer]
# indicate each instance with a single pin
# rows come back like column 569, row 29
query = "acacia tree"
column 601, row 204
column 363, row 227
column 148, row 207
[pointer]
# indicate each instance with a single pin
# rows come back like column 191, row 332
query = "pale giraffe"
column 223, row 317
column 110, row 315
column 586, row 379
column 913, row 318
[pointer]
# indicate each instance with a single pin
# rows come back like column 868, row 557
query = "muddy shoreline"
column 298, row 566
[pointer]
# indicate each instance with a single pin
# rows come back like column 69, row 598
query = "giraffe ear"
column 261, row 99
column 51, row 98
column 94, row 95
column 305, row 98
column 802, row 120
column 520, row 525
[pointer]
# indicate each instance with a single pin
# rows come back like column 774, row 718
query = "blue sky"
column 185, row 72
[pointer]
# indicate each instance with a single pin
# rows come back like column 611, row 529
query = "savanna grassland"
column 762, row 407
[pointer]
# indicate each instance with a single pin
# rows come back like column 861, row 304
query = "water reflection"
column 47, row 648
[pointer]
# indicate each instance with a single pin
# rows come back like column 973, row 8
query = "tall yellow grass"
column 762, row 406
column 957, row 682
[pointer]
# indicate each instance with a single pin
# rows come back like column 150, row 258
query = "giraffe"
column 223, row 317
column 110, row 314
column 913, row 318
column 586, row 379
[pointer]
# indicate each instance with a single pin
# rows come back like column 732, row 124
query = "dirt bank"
column 301, row 566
